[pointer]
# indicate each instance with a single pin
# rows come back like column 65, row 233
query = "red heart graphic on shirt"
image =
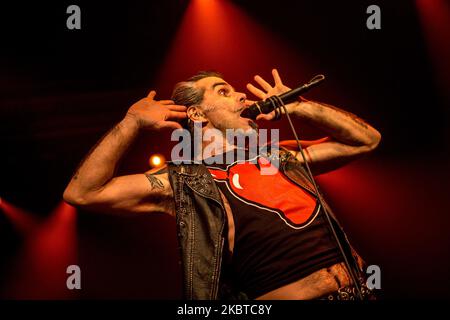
column 274, row 192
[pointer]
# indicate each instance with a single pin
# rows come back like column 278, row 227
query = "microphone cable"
column 277, row 104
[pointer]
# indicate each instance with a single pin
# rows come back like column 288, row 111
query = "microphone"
column 275, row 102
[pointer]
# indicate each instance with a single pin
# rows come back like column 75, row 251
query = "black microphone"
column 274, row 102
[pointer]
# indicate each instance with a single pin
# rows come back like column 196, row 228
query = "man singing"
column 242, row 234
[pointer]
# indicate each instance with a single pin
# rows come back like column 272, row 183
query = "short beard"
column 207, row 109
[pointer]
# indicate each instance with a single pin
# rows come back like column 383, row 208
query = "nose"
column 242, row 97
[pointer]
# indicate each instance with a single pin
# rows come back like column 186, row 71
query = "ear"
column 195, row 114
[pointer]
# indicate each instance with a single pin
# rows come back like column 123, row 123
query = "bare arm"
column 95, row 186
column 351, row 137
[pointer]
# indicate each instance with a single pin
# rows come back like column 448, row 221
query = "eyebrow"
column 220, row 84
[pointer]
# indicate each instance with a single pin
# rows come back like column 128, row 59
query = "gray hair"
column 185, row 94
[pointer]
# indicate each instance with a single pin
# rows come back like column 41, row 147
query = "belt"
column 350, row 293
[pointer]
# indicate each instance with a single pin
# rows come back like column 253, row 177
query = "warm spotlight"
column 156, row 161
column 219, row 35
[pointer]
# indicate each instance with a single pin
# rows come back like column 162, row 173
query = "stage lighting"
column 156, row 161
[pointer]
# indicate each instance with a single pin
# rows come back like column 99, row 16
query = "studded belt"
column 350, row 293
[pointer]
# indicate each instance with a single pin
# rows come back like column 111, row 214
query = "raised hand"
column 267, row 91
column 151, row 114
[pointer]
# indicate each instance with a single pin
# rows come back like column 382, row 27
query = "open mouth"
column 243, row 114
column 251, row 122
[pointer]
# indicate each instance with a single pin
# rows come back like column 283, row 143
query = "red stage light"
column 39, row 271
column 22, row 220
column 435, row 19
column 217, row 35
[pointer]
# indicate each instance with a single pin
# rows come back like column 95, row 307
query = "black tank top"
column 280, row 231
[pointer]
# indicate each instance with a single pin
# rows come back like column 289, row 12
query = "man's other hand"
column 267, row 90
column 151, row 114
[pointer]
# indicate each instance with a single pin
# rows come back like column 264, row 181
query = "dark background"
column 61, row 90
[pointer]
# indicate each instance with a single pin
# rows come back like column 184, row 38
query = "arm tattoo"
column 112, row 131
column 154, row 181
column 355, row 118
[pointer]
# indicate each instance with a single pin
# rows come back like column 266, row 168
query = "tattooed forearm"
column 98, row 167
column 341, row 125
column 352, row 116
column 113, row 131
column 154, row 181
